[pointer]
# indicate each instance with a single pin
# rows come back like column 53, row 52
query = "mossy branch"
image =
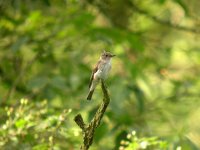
column 89, row 129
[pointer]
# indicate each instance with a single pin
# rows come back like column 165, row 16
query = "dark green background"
column 47, row 51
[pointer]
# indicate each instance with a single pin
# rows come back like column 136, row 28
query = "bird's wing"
column 93, row 72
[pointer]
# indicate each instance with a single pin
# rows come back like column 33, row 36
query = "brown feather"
column 93, row 72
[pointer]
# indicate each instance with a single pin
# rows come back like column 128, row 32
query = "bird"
column 100, row 71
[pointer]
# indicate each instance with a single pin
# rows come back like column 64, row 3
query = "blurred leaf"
column 100, row 132
column 29, row 138
column 32, row 22
column 106, row 34
column 139, row 97
column 162, row 1
column 58, row 82
column 183, row 5
column 125, row 119
column 41, row 147
column 135, row 42
column 19, row 43
column 47, row 2
column 83, row 20
column 20, row 123
column 37, row 83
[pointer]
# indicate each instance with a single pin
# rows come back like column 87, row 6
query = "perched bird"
column 100, row 71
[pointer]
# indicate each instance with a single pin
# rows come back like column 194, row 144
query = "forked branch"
column 89, row 129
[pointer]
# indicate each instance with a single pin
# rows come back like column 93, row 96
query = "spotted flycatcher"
column 100, row 71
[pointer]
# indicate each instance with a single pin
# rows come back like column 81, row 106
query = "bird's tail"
column 89, row 97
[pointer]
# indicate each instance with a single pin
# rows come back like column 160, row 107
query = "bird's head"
column 107, row 55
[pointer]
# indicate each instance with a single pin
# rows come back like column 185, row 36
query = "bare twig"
column 89, row 130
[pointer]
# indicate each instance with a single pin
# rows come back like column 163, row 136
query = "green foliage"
column 47, row 50
column 135, row 143
column 35, row 126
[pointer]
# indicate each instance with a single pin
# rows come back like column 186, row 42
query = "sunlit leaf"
column 20, row 123
column 41, row 147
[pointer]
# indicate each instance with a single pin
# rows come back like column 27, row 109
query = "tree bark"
column 89, row 129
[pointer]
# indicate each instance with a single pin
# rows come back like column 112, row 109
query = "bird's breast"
column 103, row 70
column 106, row 70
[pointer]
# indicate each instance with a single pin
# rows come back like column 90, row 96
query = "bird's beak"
column 113, row 55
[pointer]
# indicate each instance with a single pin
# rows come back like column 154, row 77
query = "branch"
column 89, row 130
column 165, row 22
